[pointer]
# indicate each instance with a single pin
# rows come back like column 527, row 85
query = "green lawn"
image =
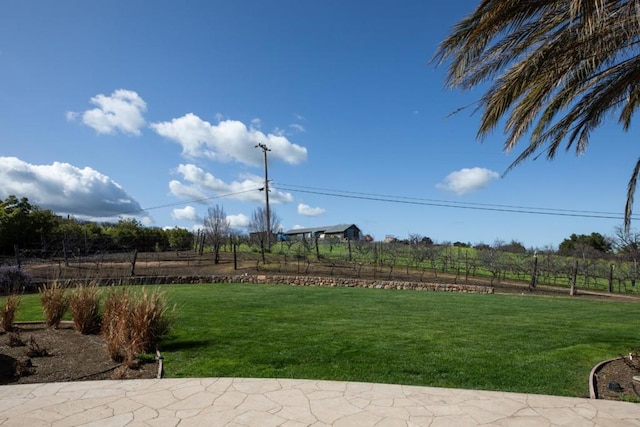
column 494, row 342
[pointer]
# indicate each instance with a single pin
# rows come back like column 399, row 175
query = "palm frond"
column 558, row 68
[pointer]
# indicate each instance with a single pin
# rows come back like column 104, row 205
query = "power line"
column 407, row 200
column 203, row 199
column 452, row 204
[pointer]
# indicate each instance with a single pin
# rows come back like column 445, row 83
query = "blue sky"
column 152, row 109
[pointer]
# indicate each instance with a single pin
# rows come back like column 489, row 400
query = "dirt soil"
column 70, row 356
column 620, row 373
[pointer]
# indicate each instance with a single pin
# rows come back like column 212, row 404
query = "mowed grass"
column 493, row 342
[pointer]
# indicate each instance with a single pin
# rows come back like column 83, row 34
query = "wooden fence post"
column 133, row 262
column 574, row 277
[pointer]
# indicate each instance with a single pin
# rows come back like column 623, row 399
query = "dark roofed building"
column 342, row 231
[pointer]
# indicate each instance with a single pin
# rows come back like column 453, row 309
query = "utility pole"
column 266, row 194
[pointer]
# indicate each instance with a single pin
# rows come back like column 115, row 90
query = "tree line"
column 29, row 230
column 41, row 232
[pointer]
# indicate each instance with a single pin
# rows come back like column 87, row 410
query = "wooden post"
column 611, row 278
column 534, row 274
column 133, row 262
column 235, row 257
column 574, row 276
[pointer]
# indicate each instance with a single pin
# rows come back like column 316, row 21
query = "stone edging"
column 353, row 283
column 289, row 280
column 593, row 389
column 160, row 364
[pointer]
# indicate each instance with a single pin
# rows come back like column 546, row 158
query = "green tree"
column 25, row 225
column 179, row 238
column 556, row 68
column 127, row 233
column 514, row 247
column 576, row 242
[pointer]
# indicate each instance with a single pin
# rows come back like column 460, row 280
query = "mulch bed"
column 614, row 381
column 66, row 355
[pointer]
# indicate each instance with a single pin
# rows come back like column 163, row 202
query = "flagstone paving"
column 292, row 403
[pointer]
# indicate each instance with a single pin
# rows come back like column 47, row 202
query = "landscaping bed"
column 70, row 356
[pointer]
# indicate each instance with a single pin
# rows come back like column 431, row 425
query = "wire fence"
column 359, row 259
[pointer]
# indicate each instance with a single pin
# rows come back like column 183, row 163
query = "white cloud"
column 229, row 140
column 171, row 227
column 147, row 221
column 188, row 213
column 256, row 123
column 121, row 111
column 296, row 127
column 307, row 210
column 198, row 184
column 238, row 221
column 297, row 227
column 66, row 189
column 468, row 179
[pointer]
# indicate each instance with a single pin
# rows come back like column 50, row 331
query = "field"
column 523, row 343
column 506, row 272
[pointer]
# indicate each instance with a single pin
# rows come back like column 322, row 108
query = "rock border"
column 319, row 281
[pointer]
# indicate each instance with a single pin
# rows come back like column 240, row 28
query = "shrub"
column 134, row 323
column 84, row 304
column 8, row 312
column 13, row 280
column 55, row 303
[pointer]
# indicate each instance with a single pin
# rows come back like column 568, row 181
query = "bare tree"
column 260, row 231
column 627, row 244
column 217, row 229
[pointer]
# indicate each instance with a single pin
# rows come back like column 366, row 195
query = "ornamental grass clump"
column 55, row 303
column 150, row 320
column 84, row 305
column 115, row 328
column 8, row 312
column 134, row 323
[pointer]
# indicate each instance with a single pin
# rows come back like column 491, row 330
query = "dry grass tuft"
column 8, row 312
column 134, row 323
column 84, row 304
column 55, row 303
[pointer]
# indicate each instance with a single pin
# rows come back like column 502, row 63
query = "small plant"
column 84, row 304
column 15, row 340
column 23, row 367
column 55, row 303
column 8, row 312
column 35, row 350
column 13, row 280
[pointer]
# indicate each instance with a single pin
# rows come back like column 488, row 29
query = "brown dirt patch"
column 71, row 357
column 620, row 373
